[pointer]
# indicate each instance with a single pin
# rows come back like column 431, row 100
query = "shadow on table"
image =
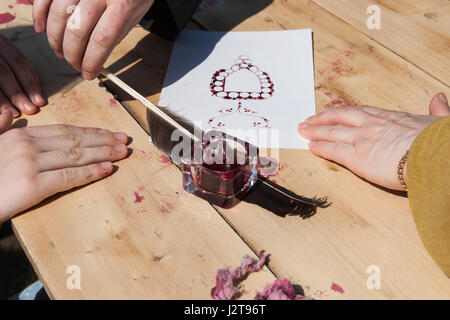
column 54, row 74
column 147, row 66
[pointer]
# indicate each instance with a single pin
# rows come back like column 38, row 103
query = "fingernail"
column 103, row 131
column 38, row 99
column 88, row 75
column 303, row 125
column 14, row 112
column 37, row 28
column 120, row 148
column 30, row 107
column 60, row 55
column 442, row 98
column 120, row 136
column 106, row 165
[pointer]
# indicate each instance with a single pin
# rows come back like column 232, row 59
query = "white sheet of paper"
column 266, row 83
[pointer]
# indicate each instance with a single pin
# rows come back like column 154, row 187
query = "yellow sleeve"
column 428, row 180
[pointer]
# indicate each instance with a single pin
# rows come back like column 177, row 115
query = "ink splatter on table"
column 121, row 244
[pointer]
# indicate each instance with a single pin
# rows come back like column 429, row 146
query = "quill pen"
column 265, row 193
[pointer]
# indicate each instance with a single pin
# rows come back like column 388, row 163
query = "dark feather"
column 161, row 131
column 281, row 201
column 265, row 193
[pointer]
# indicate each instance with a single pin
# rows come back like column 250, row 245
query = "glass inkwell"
column 220, row 169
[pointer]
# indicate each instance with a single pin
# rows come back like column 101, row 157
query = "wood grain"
column 365, row 225
column 165, row 245
column 418, row 31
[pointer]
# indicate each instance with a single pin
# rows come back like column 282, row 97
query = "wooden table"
column 171, row 244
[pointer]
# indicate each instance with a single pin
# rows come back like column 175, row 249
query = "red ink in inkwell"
column 221, row 169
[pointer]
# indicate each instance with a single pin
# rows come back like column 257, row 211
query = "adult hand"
column 19, row 84
column 367, row 140
column 94, row 28
column 37, row 162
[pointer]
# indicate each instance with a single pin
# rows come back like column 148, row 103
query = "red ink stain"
column 6, row 17
column 26, row 2
column 349, row 53
column 139, row 198
column 164, row 159
column 338, row 67
column 336, row 103
column 147, row 155
column 10, row 6
column 337, row 288
column 167, row 207
column 112, row 102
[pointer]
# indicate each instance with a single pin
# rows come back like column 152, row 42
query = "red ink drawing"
column 244, row 68
column 229, row 115
column 229, row 84
column 6, row 17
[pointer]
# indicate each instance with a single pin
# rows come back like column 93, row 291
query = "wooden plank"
column 419, row 31
column 365, row 225
column 168, row 245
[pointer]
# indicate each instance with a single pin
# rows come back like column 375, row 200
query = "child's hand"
column 37, row 162
column 19, row 84
column 367, row 140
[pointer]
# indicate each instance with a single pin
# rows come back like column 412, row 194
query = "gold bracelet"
column 400, row 168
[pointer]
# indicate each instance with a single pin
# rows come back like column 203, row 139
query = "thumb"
column 6, row 119
column 439, row 106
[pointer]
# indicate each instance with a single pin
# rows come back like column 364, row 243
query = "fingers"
column 23, row 72
column 439, row 106
column 10, row 87
column 76, row 38
column 77, row 157
column 80, row 141
column 40, row 14
column 6, row 119
column 6, row 105
column 339, row 152
column 347, row 116
column 52, row 182
column 329, row 133
column 56, row 24
column 60, row 129
column 104, row 37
